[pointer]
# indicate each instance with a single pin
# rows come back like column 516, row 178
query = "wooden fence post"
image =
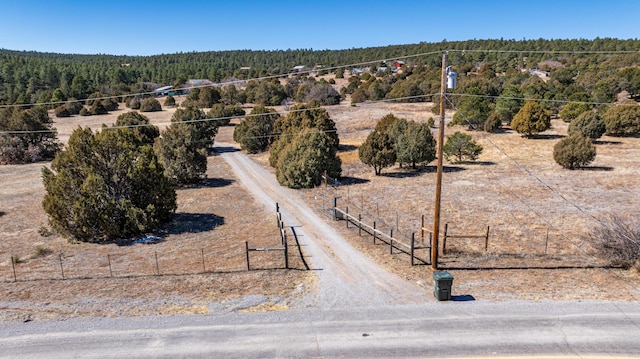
column 374, row 232
column 61, row 269
column 413, row 245
column 422, row 229
column 444, row 240
column 486, row 240
column 286, row 253
column 13, row 264
column 157, row 264
column 246, row 250
column 204, row 269
column 359, row 224
column 109, row 260
column 346, row 216
column 391, row 241
column 335, row 208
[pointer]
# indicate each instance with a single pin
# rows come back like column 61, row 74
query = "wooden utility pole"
column 436, row 215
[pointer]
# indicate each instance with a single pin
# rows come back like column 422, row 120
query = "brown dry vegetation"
column 537, row 212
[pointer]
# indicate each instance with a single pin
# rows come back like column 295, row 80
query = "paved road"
column 446, row 329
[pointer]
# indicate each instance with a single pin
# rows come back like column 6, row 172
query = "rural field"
column 537, row 214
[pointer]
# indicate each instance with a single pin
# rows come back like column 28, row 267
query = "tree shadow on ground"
column 212, row 183
column 546, row 137
column 2, row 213
column 601, row 142
column 345, row 148
column 193, row 223
column 477, row 163
column 410, row 172
column 224, row 149
column 352, row 180
column 598, row 168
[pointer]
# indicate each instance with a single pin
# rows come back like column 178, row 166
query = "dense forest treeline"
column 34, row 77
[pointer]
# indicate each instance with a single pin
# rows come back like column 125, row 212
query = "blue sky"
column 142, row 27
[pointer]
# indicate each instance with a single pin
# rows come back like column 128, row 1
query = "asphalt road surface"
column 441, row 329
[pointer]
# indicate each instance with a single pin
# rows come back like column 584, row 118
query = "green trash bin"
column 442, row 285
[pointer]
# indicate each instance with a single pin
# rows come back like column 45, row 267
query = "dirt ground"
column 537, row 213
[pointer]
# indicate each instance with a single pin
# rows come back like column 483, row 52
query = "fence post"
column 486, row 239
column 413, row 244
column 444, row 240
column 246, row 251
column 157, row 264
column 277, row 207
column 335, row 206
column 346, row 216
column 204, row 269
column 109, row 260
column 422, row 229
column 286, row 253
column 374, row 232
column 61, row 269
column 359, row 224
column 391, row 242
column 13, row 264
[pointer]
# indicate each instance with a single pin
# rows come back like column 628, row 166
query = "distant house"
column 163, row 91
column 356, row 71
column 398, row 64
column 299, row 68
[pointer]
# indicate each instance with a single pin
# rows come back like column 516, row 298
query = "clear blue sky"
column 143, row 27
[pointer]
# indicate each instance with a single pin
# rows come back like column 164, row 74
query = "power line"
column 401, row 57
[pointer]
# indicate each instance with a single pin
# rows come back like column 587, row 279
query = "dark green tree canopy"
column 415, row 144
column 105, row 186
column 473, row 110
column 377, row 151
column 300, row 118
column 254, row 133
column 139, row 125
column 304, row 161
column 508, row 104
column 150, row 104
column 572, row 110
column 461, row 146
column 622, row 120
column 182, row 155
column 588, row 124
column 29, row 137
column 573, row 152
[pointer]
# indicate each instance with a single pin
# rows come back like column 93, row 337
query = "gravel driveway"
column 346, row 278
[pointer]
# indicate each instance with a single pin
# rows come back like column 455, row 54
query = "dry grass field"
column 537, row 213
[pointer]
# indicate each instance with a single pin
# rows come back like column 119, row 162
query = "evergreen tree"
column 588, row 124
column 573, row 152
column 461, row 146
column 254, row 132
column 377, row 151
column 572, row 110
column 29, row 137
column 139, row 125
column 473, row 110
column 531, row 119
column 508, row 104
column 622, row 120
column 106, row 186
column 308, row 156
column 150, row 104
column 182, row 155
column 416, row 144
